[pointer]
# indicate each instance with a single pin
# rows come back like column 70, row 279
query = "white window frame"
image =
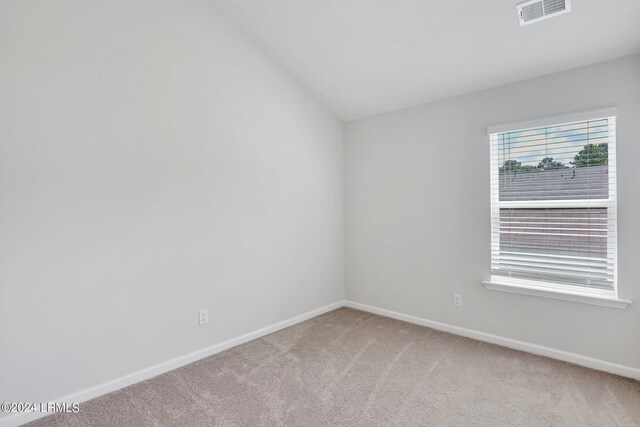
column 547, row 289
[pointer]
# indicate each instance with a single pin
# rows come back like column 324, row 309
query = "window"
column 553, row 206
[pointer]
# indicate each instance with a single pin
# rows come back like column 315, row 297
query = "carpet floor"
column 351, row 368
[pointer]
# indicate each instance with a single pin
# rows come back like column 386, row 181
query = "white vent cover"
column 536, row 10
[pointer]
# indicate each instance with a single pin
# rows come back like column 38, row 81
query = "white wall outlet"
column 204, row 316
column 457, row 300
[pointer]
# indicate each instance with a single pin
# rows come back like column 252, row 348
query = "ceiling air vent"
column 537, row 10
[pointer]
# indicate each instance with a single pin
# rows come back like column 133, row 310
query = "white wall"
column 418, row 212
column 152, row 163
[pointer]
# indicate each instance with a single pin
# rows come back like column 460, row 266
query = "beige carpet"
column 352, row 368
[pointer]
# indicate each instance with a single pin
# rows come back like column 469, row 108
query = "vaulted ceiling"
column 363, row 57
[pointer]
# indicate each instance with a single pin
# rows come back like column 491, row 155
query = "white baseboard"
column 577, row 359
column 144, row 374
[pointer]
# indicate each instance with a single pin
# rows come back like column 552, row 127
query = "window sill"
column 604, row 301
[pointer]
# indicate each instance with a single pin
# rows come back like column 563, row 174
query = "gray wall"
column 152, row 162
column 418, row 212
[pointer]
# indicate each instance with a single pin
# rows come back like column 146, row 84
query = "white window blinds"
column 553, row 206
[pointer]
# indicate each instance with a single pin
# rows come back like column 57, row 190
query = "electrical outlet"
column 204, row 316
column 457, row 300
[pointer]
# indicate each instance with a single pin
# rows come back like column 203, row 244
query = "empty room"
column 319, row 213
